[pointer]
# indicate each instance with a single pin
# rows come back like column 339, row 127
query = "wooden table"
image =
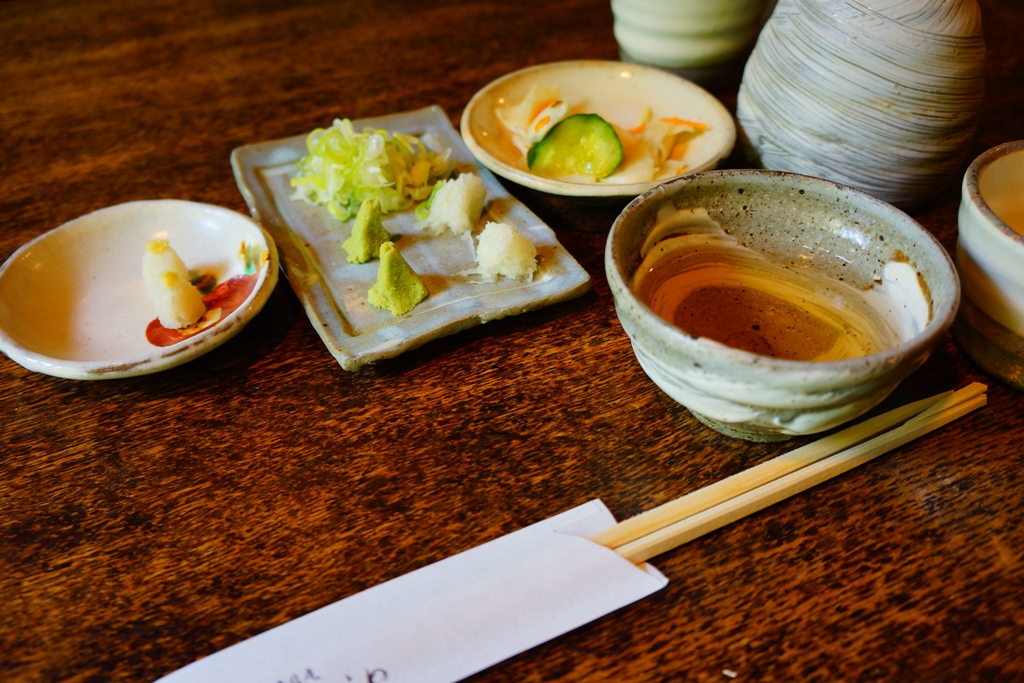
column 147, row 522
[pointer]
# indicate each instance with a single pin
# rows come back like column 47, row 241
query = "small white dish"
column 613, row 90
column 73, row 303
column 334, row 291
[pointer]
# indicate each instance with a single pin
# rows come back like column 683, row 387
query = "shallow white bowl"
column 806, row 225
column 73, row 302
column 604, row 88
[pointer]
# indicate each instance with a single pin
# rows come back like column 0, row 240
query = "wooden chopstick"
column 640, row 538
column 741, row 482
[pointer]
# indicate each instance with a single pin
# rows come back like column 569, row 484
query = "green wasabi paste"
column 398, row 289
column 368, row 233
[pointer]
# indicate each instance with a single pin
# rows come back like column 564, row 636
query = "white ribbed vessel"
column 686, row 33
column 884, row 98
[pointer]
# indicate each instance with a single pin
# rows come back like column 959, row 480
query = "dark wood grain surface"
column 147, row 522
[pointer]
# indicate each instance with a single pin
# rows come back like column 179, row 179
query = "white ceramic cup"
column 693, row 37
column 990, row 259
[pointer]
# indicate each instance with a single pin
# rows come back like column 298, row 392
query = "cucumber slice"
column 580, row 145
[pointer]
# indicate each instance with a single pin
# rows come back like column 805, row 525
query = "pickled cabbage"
column 652, row 147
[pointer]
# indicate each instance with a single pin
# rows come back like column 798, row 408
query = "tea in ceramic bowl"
column 772, row 304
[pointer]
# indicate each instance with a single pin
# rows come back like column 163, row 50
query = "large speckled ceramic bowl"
column 990, row 257
column 864, row 274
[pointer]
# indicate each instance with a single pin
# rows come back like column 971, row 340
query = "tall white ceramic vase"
column 883, row 96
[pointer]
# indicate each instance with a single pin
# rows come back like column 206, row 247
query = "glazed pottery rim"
column 940, row 317
column 972, row 191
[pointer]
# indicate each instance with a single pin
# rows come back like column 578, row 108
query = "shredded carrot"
column 676, row 121
column 678, row 152
column 645, row 118
column 541, row 107
column 540, row 124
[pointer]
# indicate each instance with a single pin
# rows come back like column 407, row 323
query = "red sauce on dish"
column 220, row 303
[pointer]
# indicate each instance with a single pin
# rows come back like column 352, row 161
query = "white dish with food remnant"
column 73, row 303
column 334, row 291
column 617, row 92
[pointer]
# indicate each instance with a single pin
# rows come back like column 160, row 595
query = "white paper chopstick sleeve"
column 450, row 619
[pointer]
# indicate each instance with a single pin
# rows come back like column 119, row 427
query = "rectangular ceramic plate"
column 333, row 291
